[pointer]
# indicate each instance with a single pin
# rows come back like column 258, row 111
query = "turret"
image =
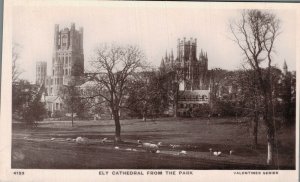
column 81, row 38
column 72, row 35
column 178, row 48
column 191, row 53
column 56, row 32
column 166, row 57
column 162, row 63
column 201, row 55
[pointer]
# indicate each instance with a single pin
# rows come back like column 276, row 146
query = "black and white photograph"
column 143, row 88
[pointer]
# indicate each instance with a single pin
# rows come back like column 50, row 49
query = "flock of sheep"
column 146, row 146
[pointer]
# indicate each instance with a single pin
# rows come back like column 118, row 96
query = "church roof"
column 53, row 98
column 195, row 92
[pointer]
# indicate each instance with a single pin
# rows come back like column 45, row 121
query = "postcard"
column 144, row 91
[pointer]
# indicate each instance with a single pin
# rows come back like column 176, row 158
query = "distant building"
column 41, row 72
column 194, row 86
column 195, row 69
column 67, row 60
column 67, row 65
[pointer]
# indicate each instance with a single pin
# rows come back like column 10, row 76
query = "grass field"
column 34, row 148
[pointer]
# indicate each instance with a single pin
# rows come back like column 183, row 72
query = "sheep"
column 128, row 149
column 81, row 140
column 104, row 140
column 210, row 151
column 117, row 148
column 149, row 147
column 52, row 139
column 183, row 152
column 68, row 139
column 231, row 152
column 174, row 146
column 217, row 153
column 158, row 151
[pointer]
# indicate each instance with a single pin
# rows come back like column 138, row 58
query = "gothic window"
column 64, row 40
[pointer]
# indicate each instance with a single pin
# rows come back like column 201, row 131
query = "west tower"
column 68, row 58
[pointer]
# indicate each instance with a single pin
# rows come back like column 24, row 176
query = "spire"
column 285, row 68
column 284, row 65
column 162, row 63
column 172, row 58
column 166, row 57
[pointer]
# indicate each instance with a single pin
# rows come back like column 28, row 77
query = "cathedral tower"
column 41, row 72
column 68, row 58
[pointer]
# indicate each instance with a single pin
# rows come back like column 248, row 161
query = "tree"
column 171, row 77
column 72, row 100
column 113, row 66
column 26, row 102
column 249, row 99
column 145, row 95
column 286, row 95
column 16, row 71
column 216, row 77
column 255, row 34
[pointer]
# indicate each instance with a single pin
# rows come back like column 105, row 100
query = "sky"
column 154, row 29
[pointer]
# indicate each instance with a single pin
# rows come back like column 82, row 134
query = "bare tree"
column 16, row 71
column 171, row 78
column 255, row 33
column 112, row 68
column 72, row 100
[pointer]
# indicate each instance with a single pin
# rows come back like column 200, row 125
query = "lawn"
column 33, row 148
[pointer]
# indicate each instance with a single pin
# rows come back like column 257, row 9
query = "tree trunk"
column 175, row 110
column 270, row 126
column 270, row 160
column 72, row 119
column 255, row 129
column 118, row 126
column 144, row 117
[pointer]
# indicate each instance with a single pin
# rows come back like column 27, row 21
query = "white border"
column 6, row 173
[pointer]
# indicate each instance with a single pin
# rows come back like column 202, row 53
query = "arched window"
column 64, row 40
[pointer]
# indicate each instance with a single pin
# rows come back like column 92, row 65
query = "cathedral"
column 67, row 65
column 194, row 82
column 195, row 71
